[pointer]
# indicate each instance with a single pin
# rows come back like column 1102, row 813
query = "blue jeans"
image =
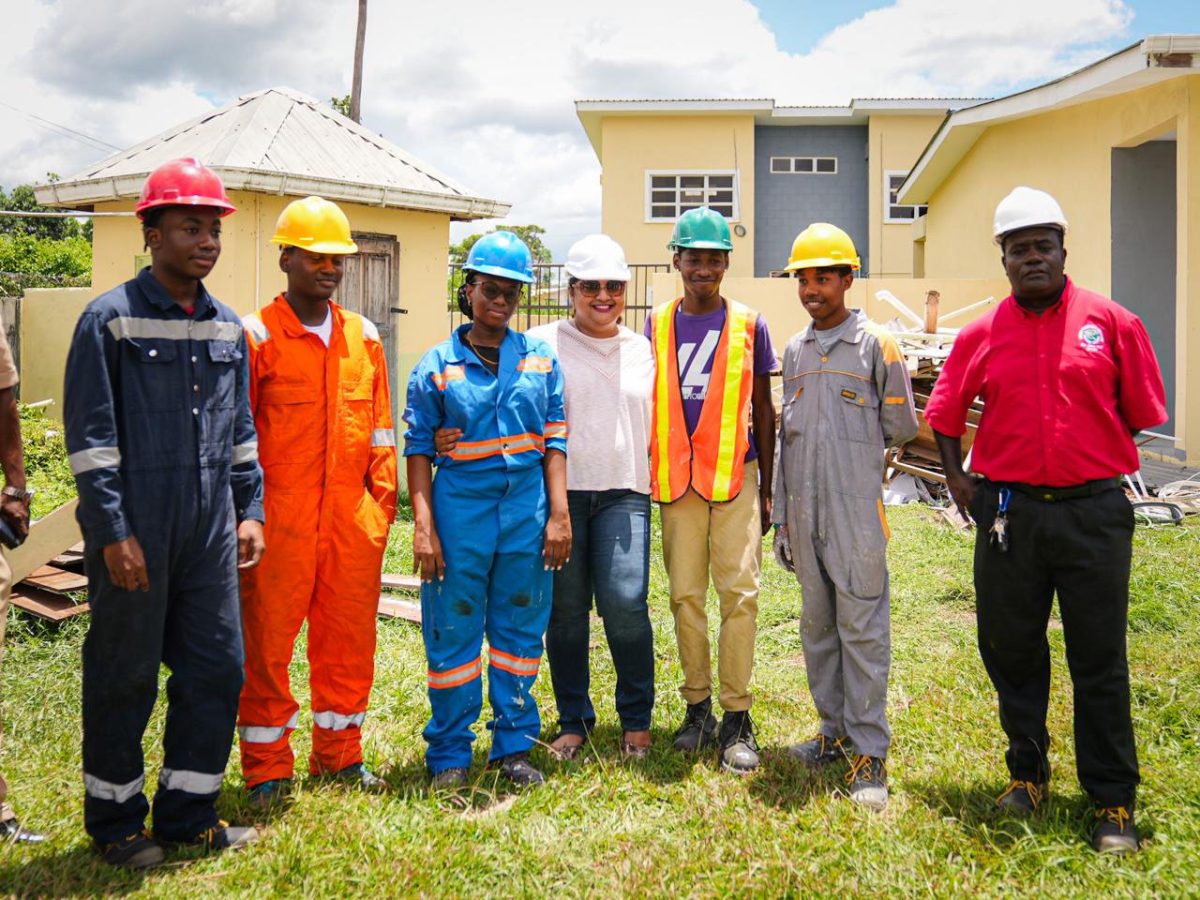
column 610, row 561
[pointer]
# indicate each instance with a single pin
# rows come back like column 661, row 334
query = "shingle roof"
column 280, row 141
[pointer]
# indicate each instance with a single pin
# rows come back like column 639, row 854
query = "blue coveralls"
column 489, row 509
column 162, row 446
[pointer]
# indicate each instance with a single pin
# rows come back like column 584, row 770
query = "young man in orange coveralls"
column 319, row 394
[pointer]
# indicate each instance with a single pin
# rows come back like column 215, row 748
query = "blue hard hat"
column 503, row 254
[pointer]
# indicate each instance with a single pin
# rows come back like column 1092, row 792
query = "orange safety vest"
column 710, row 461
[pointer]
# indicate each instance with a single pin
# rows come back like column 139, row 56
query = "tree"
column 41, row 252
column 341, row 104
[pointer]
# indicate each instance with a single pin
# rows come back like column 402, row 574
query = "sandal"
column 566, row 751
column 632, row 750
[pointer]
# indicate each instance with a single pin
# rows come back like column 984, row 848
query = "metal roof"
column 1154, row 59
column 280, row 141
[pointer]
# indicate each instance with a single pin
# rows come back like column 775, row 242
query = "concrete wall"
column 1069, row 153
column 895, row 144
column 48, row 317
column 631, row 146
column 248, row 277
column 785, row 204
column 776, row 298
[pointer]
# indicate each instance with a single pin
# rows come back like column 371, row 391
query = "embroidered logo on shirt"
column 1091, row 338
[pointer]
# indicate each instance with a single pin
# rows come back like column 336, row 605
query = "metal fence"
column 546, row 299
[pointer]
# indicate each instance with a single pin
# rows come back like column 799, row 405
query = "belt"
column 1055, row 494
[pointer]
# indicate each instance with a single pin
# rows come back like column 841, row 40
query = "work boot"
column 699, row 726
column 269, row 793
column 736, row 744
column 820, row 751
column 517, row 769
column 359, row 775
column 1115, row 832
column 1022, row 798
column 452, row 779
column 138, row 851
column 223, row 836
column 868, row 781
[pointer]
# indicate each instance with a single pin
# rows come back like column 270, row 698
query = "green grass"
column 672, row 825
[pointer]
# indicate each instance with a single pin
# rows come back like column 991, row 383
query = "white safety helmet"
column 1026, row 207
column 597, row 257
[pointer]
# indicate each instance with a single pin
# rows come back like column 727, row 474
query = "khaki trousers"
column 5, row 585
column 725, row 538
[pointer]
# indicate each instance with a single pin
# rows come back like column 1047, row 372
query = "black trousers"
column 1081, row 550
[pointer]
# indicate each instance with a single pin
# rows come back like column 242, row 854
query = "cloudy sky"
column 484, row 91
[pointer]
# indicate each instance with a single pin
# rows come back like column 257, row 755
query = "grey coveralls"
column 840, row 410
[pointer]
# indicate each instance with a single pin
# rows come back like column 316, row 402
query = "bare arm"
column 557, row 548
column 427, row 548
column 762, row 414
column 962, row 485
column 13, row 462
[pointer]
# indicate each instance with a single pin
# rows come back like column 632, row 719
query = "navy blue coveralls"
column 490, row 510
column 163, row 448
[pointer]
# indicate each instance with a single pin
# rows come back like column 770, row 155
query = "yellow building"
column 771, row 170
column 1118, row 144
column 269, row 148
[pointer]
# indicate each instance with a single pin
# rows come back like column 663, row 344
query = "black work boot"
column 821, row 751
column 1114, row 831
column 1022, row 798
column 518, row 770
column 736, row 743
column 868, row 782
column 699, row 726
column 137, row 851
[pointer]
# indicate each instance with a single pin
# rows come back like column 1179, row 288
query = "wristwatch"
column 17, row 493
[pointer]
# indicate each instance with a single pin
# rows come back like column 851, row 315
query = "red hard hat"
column 184, row 182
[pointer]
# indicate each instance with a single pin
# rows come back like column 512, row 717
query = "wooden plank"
column 71, row 558
column 394, row 608
column 58, row 580
column 393, row 582
column 48, row 537
column 45, row 605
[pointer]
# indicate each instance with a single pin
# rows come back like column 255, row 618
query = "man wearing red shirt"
column 1067, row 378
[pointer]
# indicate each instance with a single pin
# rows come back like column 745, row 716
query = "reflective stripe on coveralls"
column 711, row 460
column 489, row 510
column 324, row 431
column 155, row 403
column 840, row 409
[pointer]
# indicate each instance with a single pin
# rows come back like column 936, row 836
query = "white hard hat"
column 597, row 257
column 1026, row 207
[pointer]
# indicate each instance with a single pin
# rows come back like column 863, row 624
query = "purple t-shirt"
column 696, row 339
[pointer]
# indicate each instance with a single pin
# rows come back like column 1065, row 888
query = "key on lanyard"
column 999, row 532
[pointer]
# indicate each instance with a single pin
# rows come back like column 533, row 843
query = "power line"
column 62, row 130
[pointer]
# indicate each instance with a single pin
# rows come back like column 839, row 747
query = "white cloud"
column 485, row 91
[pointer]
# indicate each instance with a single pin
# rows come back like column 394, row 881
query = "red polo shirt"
column 1061, row 390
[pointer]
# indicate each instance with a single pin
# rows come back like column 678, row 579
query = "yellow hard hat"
column 820, row 245
column 316, row 225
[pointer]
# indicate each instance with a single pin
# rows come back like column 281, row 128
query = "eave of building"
column 1157, row 58
column 592, row 113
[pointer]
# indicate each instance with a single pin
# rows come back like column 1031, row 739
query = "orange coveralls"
column 327, row 449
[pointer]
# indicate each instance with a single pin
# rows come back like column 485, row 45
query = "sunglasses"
column 491, row 291
column 592, row 288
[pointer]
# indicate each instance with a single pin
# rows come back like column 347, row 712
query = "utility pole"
column 359, row 40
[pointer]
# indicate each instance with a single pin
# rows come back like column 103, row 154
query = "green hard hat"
column 701, row 229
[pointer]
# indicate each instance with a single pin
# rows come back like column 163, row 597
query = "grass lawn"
column 674, row 825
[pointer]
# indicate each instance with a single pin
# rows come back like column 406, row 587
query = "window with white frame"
column 670, row 194
column 804, row 165
column 898, row 212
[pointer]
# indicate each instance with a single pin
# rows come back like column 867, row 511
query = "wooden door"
column 370, row 287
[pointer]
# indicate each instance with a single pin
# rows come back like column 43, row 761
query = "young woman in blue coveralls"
column 493, row 524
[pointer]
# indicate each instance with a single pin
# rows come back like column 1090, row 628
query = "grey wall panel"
column 1143, row 247
column 785, row 204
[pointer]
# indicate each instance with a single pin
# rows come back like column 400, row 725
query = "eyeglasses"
column 592, row 288
column 491, row 291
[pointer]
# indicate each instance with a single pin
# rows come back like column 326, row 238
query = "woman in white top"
column 608, row 375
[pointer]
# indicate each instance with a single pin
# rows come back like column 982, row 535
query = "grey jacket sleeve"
column 897, row 414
